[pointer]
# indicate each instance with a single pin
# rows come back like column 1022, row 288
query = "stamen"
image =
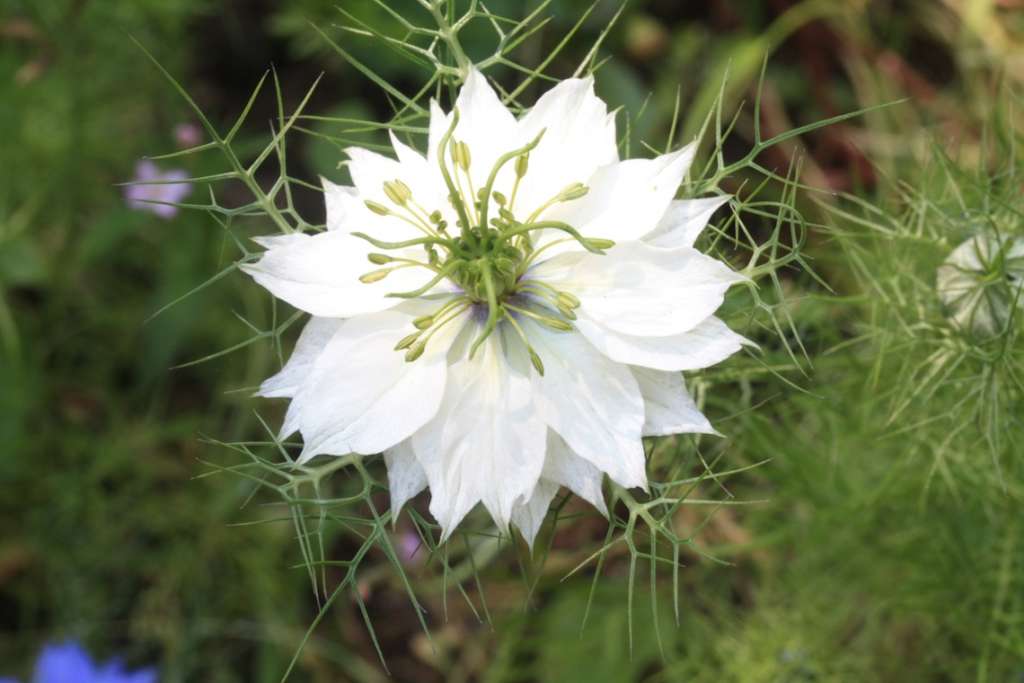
column 553, row 323
column 407, row 341
column 374, row 276
column 398, row 192
column 453, row 193
column 378, row 275
column 455, row 308
column 518, row 155
column 459, row 152
column 567, row 194
column 534, row 358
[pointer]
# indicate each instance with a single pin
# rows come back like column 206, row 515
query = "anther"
column 375, row 275
column 407, row 341
column 379, row 259
column 535, row 359
column 600, row 244
column 423, row 322
column 398, row 192
column 461, row 155
column 377, row 208
column 574, row 191
column 567, row 300
column 415, row 352
column 522, row 164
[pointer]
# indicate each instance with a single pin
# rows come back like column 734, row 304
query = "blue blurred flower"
column 69, row 663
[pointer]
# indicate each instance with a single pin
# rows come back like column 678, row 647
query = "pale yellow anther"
column 398, row 192
column 375, row 275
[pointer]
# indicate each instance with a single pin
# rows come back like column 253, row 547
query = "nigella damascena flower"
column 982, row 282
column 530, row 302
column 70, row 663
column 157, row 191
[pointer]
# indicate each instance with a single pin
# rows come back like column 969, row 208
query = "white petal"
column 592, row 402
column 668, row 406
column 315, row 336
column 371, row 170
column 562, row 467
column 487, row 442
column 439, row 124
column 485, row 124
column 707, row 344
column 344, row 206
column 565, row 467
column 406, row 477
column 320, row 273
column 529, row 516
column 579, row 138
column 363, row 397
column 626, row 199
column 684, row 221
column 646, row 291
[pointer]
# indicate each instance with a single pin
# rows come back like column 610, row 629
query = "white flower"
column 507, row 315
column 982, row 281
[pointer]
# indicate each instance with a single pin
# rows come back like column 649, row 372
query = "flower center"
column 487, row 255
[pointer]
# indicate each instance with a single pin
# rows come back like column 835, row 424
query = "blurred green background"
column 875, row 555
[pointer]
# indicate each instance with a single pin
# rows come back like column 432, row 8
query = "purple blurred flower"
column 188, row 135
column 141, row 197
column 410, row 548
column 69, row 663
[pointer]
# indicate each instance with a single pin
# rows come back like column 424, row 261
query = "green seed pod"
column 505, row 269
column 435, row 218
